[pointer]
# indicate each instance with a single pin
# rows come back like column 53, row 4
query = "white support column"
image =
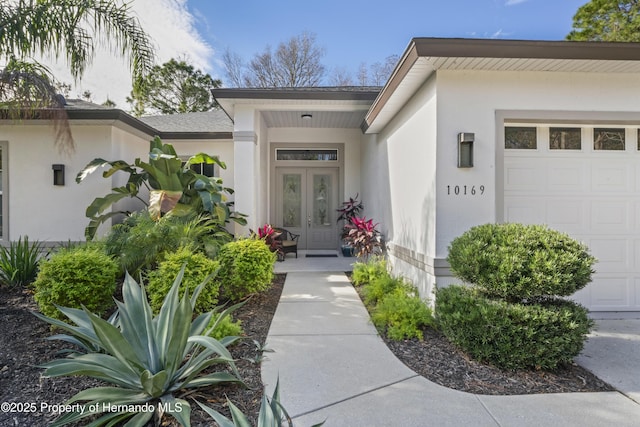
column 245, row 178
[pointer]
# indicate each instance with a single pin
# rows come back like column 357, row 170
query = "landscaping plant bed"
column 438, row 360
column 23, row 346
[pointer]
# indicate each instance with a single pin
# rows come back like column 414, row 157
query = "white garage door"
column 584, row 181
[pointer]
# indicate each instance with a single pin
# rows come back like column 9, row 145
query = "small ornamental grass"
column 19, row 262
column 147, row 359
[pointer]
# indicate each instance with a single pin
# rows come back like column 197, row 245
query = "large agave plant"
column 147, row 359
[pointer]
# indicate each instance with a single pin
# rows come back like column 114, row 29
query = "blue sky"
column 356, row 31
column 350, row 31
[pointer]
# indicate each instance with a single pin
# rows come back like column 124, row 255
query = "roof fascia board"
column 530, row 49
column 403, row 67
column 495, row 48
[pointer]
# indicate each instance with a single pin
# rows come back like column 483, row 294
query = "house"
column 465, row 132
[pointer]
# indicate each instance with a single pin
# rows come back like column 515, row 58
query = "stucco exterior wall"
column 468, row 101
column 421, row 148
column 128, row 147
column 405, row 205
column 36, row 207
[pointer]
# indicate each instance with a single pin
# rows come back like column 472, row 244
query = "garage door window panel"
column 609, row 139
column 520, row 138
column 565, row 138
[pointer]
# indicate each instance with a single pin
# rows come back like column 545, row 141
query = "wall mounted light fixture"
column 465, row 149
column 58, row 174
column 306, row 116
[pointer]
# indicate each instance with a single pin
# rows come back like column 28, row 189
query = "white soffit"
column 267, row 104
column 319, row 119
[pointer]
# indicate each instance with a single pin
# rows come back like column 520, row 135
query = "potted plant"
column 271, row 239
column 347, row 212
column 364, row 237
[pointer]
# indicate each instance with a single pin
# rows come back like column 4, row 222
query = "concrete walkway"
column 333, row 366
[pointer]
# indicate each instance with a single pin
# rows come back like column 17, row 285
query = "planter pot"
column 347, row 251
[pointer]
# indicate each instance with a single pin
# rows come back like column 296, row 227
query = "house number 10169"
column 465, row 190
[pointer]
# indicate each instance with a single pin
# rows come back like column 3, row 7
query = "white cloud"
column 497, row 34
column 172, row 29
column 514, row 2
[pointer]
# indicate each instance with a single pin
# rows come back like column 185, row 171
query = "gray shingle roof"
column 209, row 121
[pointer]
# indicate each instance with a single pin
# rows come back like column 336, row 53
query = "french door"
column 306, row 203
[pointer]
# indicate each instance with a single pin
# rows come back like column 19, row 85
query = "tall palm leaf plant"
column 147, row 359
column 62, row 28
column 173, row 187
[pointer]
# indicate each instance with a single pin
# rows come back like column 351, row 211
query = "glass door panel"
column 292, row 200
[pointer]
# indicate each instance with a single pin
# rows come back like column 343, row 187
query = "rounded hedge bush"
column 82, row 275
column 518, row 262
column 246, row 267
column 198, row 268
column 542, row 335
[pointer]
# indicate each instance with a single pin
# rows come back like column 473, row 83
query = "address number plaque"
column 465, row 190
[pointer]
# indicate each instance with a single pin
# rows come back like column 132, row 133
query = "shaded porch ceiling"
column 319, row 119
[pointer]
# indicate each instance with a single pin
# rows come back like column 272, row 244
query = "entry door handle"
column 309, row 221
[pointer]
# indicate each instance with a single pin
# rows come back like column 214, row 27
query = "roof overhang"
column 124, row 120
column 425, row 56
column 282, row 107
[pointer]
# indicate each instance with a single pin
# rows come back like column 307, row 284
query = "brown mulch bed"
column 23, row 346
column 438, row 360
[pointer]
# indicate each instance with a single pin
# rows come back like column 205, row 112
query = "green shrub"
column 541, row 335
column 19, row 262
column 365, row 272
column 518, row 262
column 139, row 242
column 380, row 287
column 246, row 267
column 402, row 315
column 226, row 327
column 75, row 277
column 198, row 268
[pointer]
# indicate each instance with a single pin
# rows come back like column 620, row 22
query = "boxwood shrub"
column 198, row 268
column 81, row 275
column 519, row 262
column 541, row 335
column 246, row 267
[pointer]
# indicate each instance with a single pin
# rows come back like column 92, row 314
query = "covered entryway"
column 306, row 203
column 306, row 189
column 583, row 180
